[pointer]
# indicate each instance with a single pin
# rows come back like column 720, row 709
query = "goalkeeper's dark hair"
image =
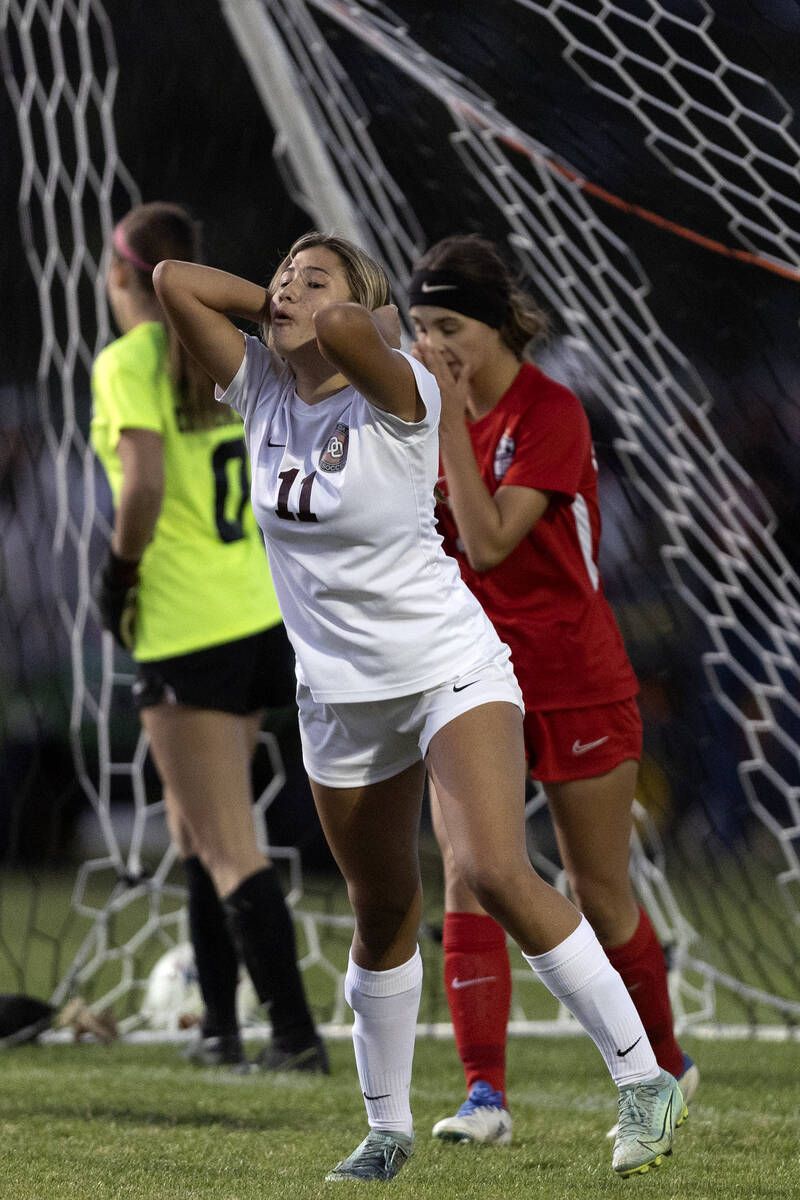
column 146, row 235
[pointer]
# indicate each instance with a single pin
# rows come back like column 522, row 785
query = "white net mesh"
column 125, row 906
column 713, row 123
column 60, row 71
column 416, row 129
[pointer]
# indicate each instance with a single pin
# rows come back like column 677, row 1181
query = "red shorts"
column 579, row 743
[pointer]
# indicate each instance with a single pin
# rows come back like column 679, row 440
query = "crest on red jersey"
column 334, row 456
column 503, row 454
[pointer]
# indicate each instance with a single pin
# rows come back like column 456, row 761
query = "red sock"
column 477, row 976
column 641, row 964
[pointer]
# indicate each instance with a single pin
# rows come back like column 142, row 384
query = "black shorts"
column 236, row 677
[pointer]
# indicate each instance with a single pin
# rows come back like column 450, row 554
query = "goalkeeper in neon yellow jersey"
column 186, row 589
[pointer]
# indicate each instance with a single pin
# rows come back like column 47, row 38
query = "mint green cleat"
column 689, row 1080
column 380, row 1156
column 649, row 1114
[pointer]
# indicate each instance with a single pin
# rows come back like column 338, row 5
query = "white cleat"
column 481, row 1119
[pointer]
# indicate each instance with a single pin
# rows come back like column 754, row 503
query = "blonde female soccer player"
column 186, row 589
column 398, row 666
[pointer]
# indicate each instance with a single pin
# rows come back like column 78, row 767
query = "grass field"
column 81, row 1122
column 41, row 932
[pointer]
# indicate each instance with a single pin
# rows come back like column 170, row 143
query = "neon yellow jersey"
column 204, row 578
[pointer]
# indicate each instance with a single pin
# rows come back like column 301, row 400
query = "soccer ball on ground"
column 172, row 999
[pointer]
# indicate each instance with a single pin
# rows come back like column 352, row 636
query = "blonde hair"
column 478, row 261
column 153, row 232
column 365, row 277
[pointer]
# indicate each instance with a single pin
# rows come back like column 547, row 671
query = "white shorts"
column 350, row 745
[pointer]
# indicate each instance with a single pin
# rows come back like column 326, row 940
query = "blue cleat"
column 481, row 1118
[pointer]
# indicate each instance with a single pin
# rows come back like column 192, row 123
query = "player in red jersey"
column 518, row 510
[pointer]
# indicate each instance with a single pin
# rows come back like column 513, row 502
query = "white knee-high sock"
column 385, row 1004
column 578, row 973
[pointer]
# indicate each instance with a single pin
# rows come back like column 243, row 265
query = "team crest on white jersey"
column 334, row 456
column 503, row 454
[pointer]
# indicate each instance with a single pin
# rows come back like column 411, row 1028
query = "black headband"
column 447, row 289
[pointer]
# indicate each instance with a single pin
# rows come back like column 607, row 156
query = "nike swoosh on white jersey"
column 462, row 983
column 577, row 748
column 439, row 287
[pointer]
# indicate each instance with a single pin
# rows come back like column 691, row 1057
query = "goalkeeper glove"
column 116, row 595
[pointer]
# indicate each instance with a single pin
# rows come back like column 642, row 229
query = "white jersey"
column 343, row 492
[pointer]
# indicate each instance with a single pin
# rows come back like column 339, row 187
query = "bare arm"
column 489, row 526
column 141, row 453
column 354, row 341
column 197, row 301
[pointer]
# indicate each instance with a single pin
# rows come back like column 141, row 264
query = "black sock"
column 214, row 951
column 264, row 934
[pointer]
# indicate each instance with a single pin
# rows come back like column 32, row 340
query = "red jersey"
column 546, row 598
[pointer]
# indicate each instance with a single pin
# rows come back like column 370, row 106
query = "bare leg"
column 203, row 758
column 458, row 897
column 373, row 832
column 477, row 979
column 215, row 952
column 592, row 821
column 477, row 766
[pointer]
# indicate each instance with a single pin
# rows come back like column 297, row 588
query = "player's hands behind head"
column 116, row 594
column 387, row 318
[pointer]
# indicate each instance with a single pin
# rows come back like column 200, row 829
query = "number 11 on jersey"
column 304, row 512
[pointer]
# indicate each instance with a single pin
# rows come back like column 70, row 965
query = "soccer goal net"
column 638, row 161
